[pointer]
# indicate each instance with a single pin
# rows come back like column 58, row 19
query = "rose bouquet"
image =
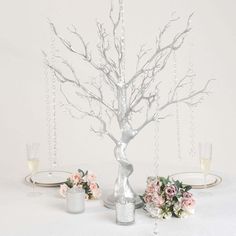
column 164, row 198
column 85, row 180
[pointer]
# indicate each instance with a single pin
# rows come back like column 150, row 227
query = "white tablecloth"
column 21, row 215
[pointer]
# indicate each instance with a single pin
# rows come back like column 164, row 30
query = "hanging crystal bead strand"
column 122, row 41
column 191, row 108
column 54, row 124
column 156, row 153
column 177, row 109
column 100, row 81
column 48, row 110
column 156, row 138
column 51, row 109
column 123, row 62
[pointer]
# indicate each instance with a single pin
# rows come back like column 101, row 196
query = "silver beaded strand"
column 122, row 96
column 122, row 40
column 156, row 138
column 51, row 109
column 177, row 108
column 191, row 109
column 48, row 110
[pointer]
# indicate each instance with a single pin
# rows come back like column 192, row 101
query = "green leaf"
column 81, row 172
column 187, row 188
column 164, row 180
column 178, row 184
column 142, row 198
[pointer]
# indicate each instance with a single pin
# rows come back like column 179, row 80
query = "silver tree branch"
column 87, row 93
column 163, row 52
column 201, row 92
column 85, row 55
column 116, row 40
column 91, row 114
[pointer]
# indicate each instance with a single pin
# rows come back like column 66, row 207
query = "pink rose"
column 150, row 189
column 91, row 177
column 153, row 181
column 170, row 191
column 187, row 203
column 93, row 186
column 158, row 200
column 148, row 198
column 76, row 178
column 63, row 190
column 187, row 195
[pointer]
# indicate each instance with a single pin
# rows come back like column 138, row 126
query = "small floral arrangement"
column 164, row 198
column 85, row 180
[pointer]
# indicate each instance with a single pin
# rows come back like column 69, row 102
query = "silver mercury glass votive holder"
column 125, row 211
column 75, row 200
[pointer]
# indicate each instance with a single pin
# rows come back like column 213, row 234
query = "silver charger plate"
column 196, row 179
column 48, row 178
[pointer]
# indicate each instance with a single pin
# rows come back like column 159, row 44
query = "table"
column 45, row 215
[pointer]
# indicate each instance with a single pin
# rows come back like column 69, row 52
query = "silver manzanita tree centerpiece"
column 127, row 97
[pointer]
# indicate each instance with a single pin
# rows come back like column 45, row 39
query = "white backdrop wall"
column 24, row 32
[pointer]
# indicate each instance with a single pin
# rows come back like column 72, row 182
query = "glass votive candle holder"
column 75, row 200
column 125, row 211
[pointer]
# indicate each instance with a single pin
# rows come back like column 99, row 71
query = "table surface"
column 45, row 215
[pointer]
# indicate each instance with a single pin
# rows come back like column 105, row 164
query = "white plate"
column 29, row 181
column 49, row 178
column 196, row 179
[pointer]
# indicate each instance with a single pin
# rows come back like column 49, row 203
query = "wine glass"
column 205, row 156
column 32, row 151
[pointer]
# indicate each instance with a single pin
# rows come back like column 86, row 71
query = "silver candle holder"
column 75, row 200
column 125, row 211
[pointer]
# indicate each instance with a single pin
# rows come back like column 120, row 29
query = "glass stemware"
column 32, row 151
column 205, row 156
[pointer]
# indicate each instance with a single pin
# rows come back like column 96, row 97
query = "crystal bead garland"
column 123, row 61
column 48, row 110
column 156, row 150
column 156, row 138
column 100, row 80
column 177, row 108
column 54, row 125
column 191, row 108
column 191, row 126
column 51, row 108
column 122, row 40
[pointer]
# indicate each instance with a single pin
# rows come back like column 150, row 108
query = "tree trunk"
column 122, row 186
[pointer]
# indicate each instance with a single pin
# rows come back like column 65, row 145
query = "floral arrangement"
column 164, row 198
column 85, row 180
